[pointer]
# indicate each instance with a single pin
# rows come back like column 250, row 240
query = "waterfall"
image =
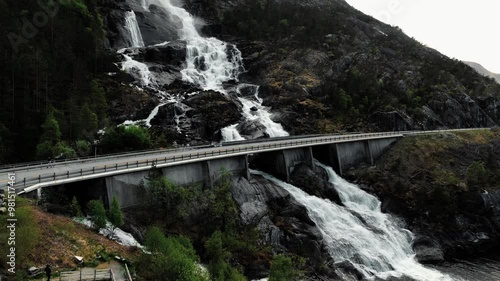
column 132, row 28
column 210, row 62
column 360, row 232
column 253, row 110
column 230, row 133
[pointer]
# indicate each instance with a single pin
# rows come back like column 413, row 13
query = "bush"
column 172, row 258
column 219, row 259
column 97, row 214
column 283, row 269
column 115, row 215
column 124, row 138
column 476, row 175
column 75, row 208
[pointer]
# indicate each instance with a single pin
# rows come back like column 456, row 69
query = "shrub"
column 115, row 215
column 75, row 208
column 476, row 175
column 97, row 214
column 172, row 258
column 124, row 138
column 283, row 269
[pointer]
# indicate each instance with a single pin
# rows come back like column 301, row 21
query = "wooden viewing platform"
column 87, row 274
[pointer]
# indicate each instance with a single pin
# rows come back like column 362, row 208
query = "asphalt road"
column 36, row 176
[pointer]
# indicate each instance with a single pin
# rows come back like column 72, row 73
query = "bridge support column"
column 308, row 157
column 368, row 151
column 209, row 180
column 286, row 166
column 247, row 168
column 335, row 160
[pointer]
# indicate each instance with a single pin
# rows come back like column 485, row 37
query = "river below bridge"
column 480, row 269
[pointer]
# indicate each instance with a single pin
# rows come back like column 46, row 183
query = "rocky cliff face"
column 325, row 66
column 447, row 189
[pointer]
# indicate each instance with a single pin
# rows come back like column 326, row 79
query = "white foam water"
column 360, row 233
column 208, row 62
column 253, row 110
column 132, row 28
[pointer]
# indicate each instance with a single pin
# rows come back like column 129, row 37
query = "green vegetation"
column 49, row 75
column 222, row 240
column 97, row 214
column 476, row 175
column 430, row 173
column 283, row 269
column 171, row 258
column 26, row 239
column 115, row 215
column 125, row 138
column 76, row 210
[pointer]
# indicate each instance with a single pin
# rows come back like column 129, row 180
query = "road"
column 30, row 177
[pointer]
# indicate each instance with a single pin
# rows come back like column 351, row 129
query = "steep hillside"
column 326, row 66
column 446, row 186
column 479, row 68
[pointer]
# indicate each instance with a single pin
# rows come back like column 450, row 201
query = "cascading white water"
column 360, row 232
column 261, row 114
column 208, row 62
column 134, row 33
column 147, row 121
column 230, row 133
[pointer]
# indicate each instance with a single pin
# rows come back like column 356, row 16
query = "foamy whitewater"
column 360, row 233
column 210, row 63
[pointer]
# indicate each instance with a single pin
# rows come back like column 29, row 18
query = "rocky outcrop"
column 284, row 223
column 314, row 182
column 427, row 181
column 199, row 117
column 346, row 65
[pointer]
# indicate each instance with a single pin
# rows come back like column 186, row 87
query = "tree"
column 476, row 175
column 115, row 215
column 75, row 207
column 97, row 214
column 282, row 269
column 51, row 131
column 88, row 120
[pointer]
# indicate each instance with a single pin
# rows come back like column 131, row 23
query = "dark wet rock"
column 158, row 25
column 194, row 114
column 315, row 182
column 284, row 222
column 172, row 54
column 428, row 250
column 252, row 129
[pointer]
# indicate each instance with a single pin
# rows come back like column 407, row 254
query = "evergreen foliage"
column 97, row 214
column 115, row 214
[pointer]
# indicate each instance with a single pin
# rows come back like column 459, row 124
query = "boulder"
column 252, row 129
column 428, row 250
column 315, row 182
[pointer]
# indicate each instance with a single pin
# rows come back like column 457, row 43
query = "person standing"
column 48, row 271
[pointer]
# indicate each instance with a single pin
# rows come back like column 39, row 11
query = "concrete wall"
column 281, row 163
column 340, row 156
column 129, row 193
column 380, row 146
column 352, row 153
column 126, row 188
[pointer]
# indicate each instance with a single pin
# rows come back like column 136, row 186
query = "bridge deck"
column 32, row 177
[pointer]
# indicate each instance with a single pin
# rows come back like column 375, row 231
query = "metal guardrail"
column 24, row 165
column 200, row 154
column 87, row 274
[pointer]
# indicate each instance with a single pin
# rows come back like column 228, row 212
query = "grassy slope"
column 44, row 238
column 428, row 173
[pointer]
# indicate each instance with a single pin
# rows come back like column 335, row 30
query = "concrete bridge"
column 123, row 173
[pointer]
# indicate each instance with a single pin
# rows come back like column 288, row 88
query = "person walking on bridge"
column 48, row 272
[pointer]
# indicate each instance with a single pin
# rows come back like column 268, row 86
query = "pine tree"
column 97, row 214
column 115, row 215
